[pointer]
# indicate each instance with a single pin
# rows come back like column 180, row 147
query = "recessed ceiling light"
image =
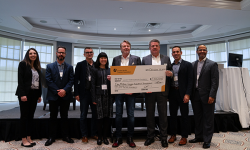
column 114, row 28
column 120, row 7
column 183, row 27
column 149, row 30
column 78, row 27
column 43, row 21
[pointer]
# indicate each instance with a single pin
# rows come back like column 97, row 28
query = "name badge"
column 198, row 77
column 89, row 78
column 175, row 78
column 104, row 87
column 61, row 74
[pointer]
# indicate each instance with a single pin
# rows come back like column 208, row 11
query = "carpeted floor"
column 221, row 141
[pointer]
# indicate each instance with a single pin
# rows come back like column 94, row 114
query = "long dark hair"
column 97, row 63
column 36, row 64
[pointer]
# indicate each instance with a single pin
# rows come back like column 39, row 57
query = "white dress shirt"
column 124, row 61
column 156, row 60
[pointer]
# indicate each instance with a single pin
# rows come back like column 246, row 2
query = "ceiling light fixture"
column 183, row 27
column 149, row 30
column 114, row 28
column 120, row 7
column 78, row 27
column 43, row 21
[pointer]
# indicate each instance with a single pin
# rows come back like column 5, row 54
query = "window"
column 188, row 54
column 241, row 47
column 10, row 50
column 45, row 52
column 217, row 52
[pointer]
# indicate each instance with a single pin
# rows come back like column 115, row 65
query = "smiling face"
column 202, row 52
column 32, row 55
column 88, row 53
column 103, row 61
column 60, row 54
column 176, row 53
column 125, row 49
column 154, row 48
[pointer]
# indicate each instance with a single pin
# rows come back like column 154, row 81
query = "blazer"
column 133, row 60
column 185, row 79
column 80, row 78
column 96, row 87
column 147, row 60
column 25, row 80
column 208, row 81
column 54, row 82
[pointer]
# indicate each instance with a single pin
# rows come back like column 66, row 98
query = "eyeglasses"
column 61, row 52
column 200, row 50
column 88, row 52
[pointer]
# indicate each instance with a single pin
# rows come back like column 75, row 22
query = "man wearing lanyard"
column 82, row 86
column 205, row 86
column 179, row 95
column 60, row 79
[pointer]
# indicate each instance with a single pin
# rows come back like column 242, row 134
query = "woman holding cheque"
column 101, row 96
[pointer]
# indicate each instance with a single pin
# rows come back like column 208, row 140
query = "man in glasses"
column 82, row 86
column 205, row 85
column 126, row 59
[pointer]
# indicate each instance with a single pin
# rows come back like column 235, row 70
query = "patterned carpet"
column 221, row 141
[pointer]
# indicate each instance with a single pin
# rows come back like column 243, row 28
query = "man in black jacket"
column 179, row 95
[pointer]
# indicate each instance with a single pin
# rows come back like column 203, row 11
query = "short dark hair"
column 36, row 64
column 154, row 40
column 199, row 46
column 176, row 47
column 61, row 47
column 97, row 62
column 125, row 41
column 87, row 48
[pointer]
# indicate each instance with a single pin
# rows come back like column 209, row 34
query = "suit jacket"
column 185, row 79
column 133, row 60
column 147, row 60
column 25, row 80
column 96, row 87
column 208, row 81
column 55, row 83
column 80, row 78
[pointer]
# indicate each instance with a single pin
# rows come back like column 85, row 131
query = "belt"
column 176, row 88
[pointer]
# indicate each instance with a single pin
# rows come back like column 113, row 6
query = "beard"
column 60, row 58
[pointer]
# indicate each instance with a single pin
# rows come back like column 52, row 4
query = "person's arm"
column 190, row 79
column 76, row 79
column 68, row 87
column 214, row 80
column 93, row 85
column 49, row 80
column 21, row 74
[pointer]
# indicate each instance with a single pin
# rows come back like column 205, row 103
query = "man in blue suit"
column 82, row 86
column 59, row 78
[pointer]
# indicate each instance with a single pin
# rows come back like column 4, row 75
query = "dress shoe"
column 149, row 141
column 196, row 140
column 49, row 141
column 183, row 141
column 206, row 145
column 26, row 145
column 164, row 143
column 99, row 141
column 95, row 137
column 172, row 139
column 84, row 139
column 117, row 142
column 105, row 141
column 68, row 140
column 130, row 142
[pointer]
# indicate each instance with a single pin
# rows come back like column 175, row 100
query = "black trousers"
column 53, row 108
column 103, row 126
column 204, row 118
column 27, row 110
column 151, row 99
column 176, row 102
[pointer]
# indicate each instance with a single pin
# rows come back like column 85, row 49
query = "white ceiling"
column 102, row 16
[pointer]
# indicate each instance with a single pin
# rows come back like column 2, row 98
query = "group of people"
column 197, row 82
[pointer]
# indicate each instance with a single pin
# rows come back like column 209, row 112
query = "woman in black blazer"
column 101, row 97
column 29, row 93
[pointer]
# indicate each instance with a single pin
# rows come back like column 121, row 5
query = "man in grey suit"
column 155, row 58
column 126, row 59
column 205, row 85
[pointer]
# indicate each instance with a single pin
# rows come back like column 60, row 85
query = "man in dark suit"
column 155, row 58
column 59, row 78
column 126, row 59
column 82, row 87
column 205, row 85
column 179, row 95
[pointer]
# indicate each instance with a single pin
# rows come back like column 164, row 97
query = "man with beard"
column 59, row 78
column 205, row 85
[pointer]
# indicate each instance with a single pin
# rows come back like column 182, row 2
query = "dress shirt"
column 124, row 61
column 176, row 68
column 88, row 76
column 199, row 67
column 156, row 60
column 60, row 68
